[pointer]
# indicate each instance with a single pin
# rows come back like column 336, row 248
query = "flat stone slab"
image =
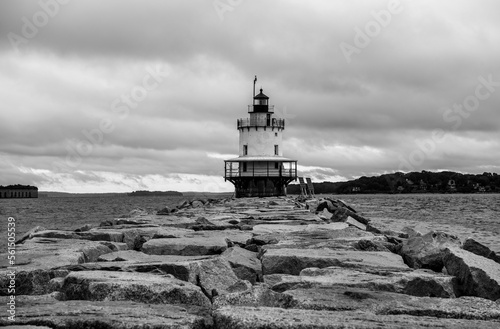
column 195, row 244
column 138, row 257
column 38, row 261
column 135, row 237
column 45, row 253
column 185, row 246
column 256, row 295
column 296, row 215
column 336, row 298
column 326, row 226
column 93, row 235
column 172, row 220
column 128, row 286
column 214, row 274
column 318, row 236
column 292, row 261
column 416, row 283
column 106, row 314
column 283, row 228
column 334, row 231
column 245, row 317
column 386, row 303
column 275, row 228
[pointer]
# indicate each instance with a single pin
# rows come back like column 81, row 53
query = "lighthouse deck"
column 260, row 167
column 270, row 172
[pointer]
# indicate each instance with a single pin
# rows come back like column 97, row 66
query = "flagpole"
column 254, row 81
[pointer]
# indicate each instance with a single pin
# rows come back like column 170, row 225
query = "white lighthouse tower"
column 260, row 170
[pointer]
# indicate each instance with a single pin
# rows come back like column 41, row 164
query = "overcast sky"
column 105, row 96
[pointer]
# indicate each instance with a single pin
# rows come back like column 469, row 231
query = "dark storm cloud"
column 343, row 119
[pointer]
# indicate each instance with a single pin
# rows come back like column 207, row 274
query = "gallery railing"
column 261, row 172
column 273, row 123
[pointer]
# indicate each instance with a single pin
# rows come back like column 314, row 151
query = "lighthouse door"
column 268, row 120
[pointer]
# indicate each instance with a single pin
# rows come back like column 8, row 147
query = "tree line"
column 413, row 182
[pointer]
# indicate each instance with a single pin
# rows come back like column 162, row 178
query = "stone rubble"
column 479, row 249
column 427, row 251
column 478, row 276
column 275, row 262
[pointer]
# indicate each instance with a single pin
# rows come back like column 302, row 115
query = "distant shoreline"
column 442, row 182
column 191, row 195
column 54, row 194
column 152, row 193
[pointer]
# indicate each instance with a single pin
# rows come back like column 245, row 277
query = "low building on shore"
column 18, row 191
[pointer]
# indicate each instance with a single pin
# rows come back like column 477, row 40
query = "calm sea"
column 74, row 212
column 479, row 212
column 465, row 215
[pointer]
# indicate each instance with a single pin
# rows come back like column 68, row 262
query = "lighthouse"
column 261, row 170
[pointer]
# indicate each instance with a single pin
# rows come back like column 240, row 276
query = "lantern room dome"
column 260, row 95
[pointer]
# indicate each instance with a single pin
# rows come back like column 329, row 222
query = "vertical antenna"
column 254, row 82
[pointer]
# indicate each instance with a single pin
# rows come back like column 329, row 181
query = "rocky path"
column 251, row 263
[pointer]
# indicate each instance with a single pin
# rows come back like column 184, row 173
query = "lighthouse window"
column 276, row 165
column 276, row 150
column 245, row 149
column 244, row 166
column 276, row 134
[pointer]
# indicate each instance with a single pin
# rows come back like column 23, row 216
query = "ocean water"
column 465, row 215
column 477, row 211
column 69, row 213
column 477, row 214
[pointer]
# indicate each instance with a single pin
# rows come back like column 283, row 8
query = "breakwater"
column 252, row 263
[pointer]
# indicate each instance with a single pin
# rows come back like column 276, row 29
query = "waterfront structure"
column 18, row 191
column 261, row 170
